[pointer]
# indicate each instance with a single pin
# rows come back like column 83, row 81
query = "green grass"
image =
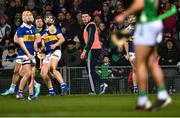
column 82, row 105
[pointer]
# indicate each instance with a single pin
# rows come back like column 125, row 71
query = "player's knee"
column 16, row 71
column 28, row 74
column 52, row 69
column 43, row 75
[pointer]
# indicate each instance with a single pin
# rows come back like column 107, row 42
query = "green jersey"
column 148, row 13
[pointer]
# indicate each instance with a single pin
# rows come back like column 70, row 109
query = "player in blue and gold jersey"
column 53, row 38
column 129, row 47
column 16, row 75
column 26, row 36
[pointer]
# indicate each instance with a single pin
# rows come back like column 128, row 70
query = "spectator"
column 62, row 4
column 47, row 7
column 5, row 30
column 67, row 37
column 104, row 35
column 68, row 22
column 169, row 56
column 15, row 6
column 60, row 19
column 8, row 60
column 119, row 7
column 77, row 29
column 104, row 71
column 30, row 6
column 97, row 20
column 76, row 7
column 71, row 55
column 16, row 23
column 3, row 7
column 41, row 3
column 106, row 14
column 118, row 58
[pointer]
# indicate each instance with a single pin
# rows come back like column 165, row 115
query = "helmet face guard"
column 27, row 17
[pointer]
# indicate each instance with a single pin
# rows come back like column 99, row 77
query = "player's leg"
column 142, row 55
column 54, row 59
column 134, row 79
column 135, row 86
column 163, row 98
column 36, row 84
column 15, row 79
column 31, row 85
column 46, row 78
column 93, row 57
column 27, row 75
column 58, row 76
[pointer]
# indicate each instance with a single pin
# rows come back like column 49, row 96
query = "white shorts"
column 149, row 33
column 19, row 60
column 24, row 59
column 132, row 57
column 55, row 55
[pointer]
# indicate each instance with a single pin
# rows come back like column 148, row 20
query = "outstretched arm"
column 135, row 7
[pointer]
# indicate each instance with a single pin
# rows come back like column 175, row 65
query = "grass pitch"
column 83, row 105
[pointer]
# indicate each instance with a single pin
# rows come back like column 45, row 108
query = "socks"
column 20, row 91
column 63, row 84
column 142, row 98
column 36, row 83
column 51, row 90
column 162, row 93
column 12, row 87
column 31, row 95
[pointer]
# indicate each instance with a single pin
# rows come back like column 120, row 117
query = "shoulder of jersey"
column 22, row 26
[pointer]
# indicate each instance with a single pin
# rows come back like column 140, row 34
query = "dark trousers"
column 92, row 61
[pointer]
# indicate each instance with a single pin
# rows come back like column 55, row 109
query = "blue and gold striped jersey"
column 50, row 39
column 28, row 34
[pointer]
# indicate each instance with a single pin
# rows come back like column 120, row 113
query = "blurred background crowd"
column 68, row 18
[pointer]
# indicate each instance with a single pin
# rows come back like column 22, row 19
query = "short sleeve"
column 20, row 33
column 58, row 31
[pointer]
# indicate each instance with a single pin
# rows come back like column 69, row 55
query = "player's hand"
column 31, row 57
column 120, row 18
column 127, row 56
column 83, row 55
column 41, row 49
column 53, row 46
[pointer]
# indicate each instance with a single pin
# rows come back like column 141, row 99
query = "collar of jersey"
column 26, row 25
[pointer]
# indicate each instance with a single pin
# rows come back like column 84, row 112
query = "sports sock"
column 51, row 90
column 162, row 93
column 35, row 83
column 20, row 91
column 142, row 98
column 12, row 87
column 31, row 94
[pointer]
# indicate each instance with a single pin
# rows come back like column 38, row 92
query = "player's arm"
column 15, row 39
column 91, row 31
column 136, row 6
column 37, row 42
column 37, row 39
column 61, row 39
column 126, row 45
